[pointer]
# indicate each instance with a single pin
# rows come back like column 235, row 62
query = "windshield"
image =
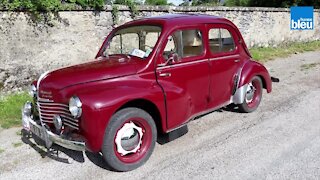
column 136, row 41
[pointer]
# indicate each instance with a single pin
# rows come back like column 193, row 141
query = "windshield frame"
column 106, row 44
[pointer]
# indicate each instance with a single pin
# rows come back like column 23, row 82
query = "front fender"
column 251, row 69
column 102, row 99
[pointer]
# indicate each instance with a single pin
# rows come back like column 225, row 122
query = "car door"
column 185, row 78
column 225, row 63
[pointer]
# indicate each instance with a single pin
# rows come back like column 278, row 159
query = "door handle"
column 165, row 74
column 237, row 60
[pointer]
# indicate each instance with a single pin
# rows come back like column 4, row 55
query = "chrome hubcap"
column 129, row 139
column 250, row 93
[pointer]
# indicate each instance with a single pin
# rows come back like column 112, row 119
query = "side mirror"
column 172, row 58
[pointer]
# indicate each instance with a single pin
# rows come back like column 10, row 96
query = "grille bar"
column 48, row 109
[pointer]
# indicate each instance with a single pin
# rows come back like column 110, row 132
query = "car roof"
column 179, row 19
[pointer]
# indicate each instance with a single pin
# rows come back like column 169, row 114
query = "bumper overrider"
column 30, row 125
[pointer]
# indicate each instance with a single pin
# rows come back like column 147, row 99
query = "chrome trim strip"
column 56, row 109
column 75, row 124
column 224, row 57
column 53, row 104
column 70, row 125
column 47, row 121
column 70, row 119
column 39, row 112
column 182, row 64
column 50, row 116
column 48, row 109
column 65, row 119
column 40, row 79
column 66, row 122
column 45, row 112
column 45, row 100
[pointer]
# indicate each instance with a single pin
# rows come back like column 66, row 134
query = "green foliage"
column 156, row 2
column 205, row 2
column 10, row 109
column 132, row 4
column 31, row 5
column 264, row 54
column 237, row 3
column 49, row 5
column 115, row 14
column 44, row 10
column 305, row 67
column 17, row 144
column 273, row 3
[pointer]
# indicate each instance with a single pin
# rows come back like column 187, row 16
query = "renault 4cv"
column 150, row 77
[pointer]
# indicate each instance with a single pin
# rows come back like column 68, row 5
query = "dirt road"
column 281, row 140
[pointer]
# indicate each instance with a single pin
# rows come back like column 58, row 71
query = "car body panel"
column 179, row 91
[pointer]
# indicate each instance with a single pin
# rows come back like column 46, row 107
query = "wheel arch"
column 253, row 68
column 147, row 106
column 264, row 84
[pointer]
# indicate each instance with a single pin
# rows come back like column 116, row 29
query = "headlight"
column 33, row 90
column 75, row 106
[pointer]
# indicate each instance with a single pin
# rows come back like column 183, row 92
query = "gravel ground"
column 281, row 140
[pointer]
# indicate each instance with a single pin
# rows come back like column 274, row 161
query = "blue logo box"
column 301, row 18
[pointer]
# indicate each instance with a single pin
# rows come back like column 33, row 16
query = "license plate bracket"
column 41, row 133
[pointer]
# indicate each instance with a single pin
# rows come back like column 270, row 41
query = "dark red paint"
column 196, row 84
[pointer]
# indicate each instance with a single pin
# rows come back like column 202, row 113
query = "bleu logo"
column 301, row 18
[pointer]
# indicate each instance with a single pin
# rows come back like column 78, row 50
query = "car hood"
column 96, row 70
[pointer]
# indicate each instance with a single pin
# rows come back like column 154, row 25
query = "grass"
column 18, row 133
column 305, row 67
column 17, row 144
column 1, row 150
column 10, row 109
column 264, row 54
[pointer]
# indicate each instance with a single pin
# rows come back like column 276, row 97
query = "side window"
column 170, row 48
column 214, row 40
column 185, row 43
column 220, row 40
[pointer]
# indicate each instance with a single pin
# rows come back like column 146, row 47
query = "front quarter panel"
column 253, row 68
column 103, row 98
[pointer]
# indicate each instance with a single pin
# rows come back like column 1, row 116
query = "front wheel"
column 253, row 96
column 129, row 139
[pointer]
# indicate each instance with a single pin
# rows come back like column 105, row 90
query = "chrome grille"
column 48, row 109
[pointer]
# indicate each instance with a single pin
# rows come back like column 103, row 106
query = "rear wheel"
column 253, row 96
column 129, row 139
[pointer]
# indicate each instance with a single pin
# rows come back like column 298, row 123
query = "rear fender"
column 248, row 71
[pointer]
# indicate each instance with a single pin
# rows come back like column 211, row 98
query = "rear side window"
column 220, row 40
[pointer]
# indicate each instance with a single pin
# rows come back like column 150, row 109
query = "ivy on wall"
column 46, row 10
column 49, row 5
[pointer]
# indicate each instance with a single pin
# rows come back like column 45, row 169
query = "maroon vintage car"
column 150, row 77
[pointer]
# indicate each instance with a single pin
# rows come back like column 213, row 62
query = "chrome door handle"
column 237, row 60
column 165, row 74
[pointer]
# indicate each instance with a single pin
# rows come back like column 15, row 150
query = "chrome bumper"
column 46, row 135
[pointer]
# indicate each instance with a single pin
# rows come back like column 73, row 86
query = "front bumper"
column 45, row 134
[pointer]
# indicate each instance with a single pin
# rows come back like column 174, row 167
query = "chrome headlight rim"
column 75, row 106
column 33, row 90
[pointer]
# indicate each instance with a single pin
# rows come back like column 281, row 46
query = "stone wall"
column 28, row 49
